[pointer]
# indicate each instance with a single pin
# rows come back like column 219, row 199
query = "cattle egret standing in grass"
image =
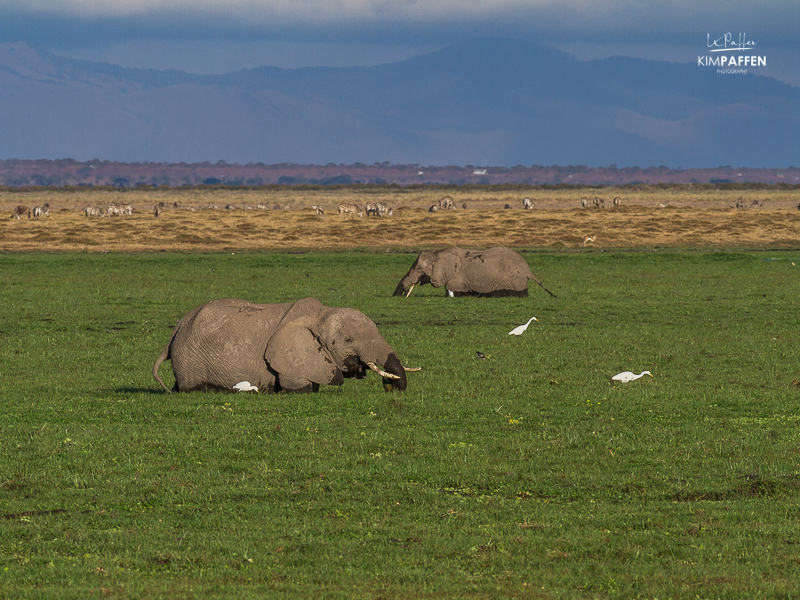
column 627, row 376
column 521, row 329
column 245, row 386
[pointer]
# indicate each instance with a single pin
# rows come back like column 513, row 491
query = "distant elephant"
column 291, row 347
column 494, row 272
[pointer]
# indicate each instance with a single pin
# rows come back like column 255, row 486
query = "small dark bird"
column 481, row 355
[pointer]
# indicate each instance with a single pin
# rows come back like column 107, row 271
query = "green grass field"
column 524, row 475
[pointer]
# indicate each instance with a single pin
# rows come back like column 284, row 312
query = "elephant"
column 494, row 272
column 292, row 347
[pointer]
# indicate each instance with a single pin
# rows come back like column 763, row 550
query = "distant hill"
column 68, row 172
column 480, row 102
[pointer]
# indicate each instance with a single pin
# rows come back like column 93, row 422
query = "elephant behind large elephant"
column 495, row 272
column 293, row 347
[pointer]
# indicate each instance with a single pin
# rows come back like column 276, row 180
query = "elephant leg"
column 296, row 385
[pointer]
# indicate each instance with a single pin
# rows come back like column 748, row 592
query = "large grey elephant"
column 497, row 271
column 291, row 347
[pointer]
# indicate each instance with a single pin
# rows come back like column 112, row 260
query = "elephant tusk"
column 413, row 370
column 382, row 373
column 411, row 289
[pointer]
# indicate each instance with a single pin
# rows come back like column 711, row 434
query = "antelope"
column 19, row 211
column 589, row 239
column 447, row 203
column 350, row 209
column 41, row 211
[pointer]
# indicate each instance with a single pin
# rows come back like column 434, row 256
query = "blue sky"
column 217, row 36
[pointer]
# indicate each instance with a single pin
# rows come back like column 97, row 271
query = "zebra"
column 114, row 210
column 320, row 212
column 599, row 202
column 527, row 204
column 371, row 209
column 92, row 211
column 617, row 201
column 157, row 210
column 19, row 211
column 447, row 203
column 433, row 208
column 41, row 211
column 584, row 202
column 383, row 209
column 127, row 209
column 350, row 209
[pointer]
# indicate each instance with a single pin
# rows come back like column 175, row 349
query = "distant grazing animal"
column 383, row 209
column 320, row 212
column 92, row 211
column 19, row 211
column 584, row 202
column 127, row 209
column 371, row 209
column 756, row 204
column 435, row 208
column 464, row 206
column 262, row 207
column 617, row 201
column 447, row 203
column 599, row 202
column 114, row 210
column 230, row 207
column 351, row 209
column 507, row 206
column 589, row 239
column 41, row 211
column 527, row 204
column 174, row 205
column 157, row 210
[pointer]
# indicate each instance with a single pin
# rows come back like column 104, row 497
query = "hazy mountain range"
column 480, row 102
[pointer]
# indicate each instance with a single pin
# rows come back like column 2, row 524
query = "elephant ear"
column 445, row 268
column 299, row 357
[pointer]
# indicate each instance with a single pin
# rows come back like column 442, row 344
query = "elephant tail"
column 161, row 358
column 542, row 286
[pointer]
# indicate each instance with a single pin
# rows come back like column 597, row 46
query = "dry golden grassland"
column 645, row 219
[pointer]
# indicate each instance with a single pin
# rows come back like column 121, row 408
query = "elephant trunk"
column 391, row 369
column 393, row 365
column 413, row 277
column 400, row 289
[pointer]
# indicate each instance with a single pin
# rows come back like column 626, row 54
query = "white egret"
column 245, row 386
column 521, row 329
column 627, row 376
